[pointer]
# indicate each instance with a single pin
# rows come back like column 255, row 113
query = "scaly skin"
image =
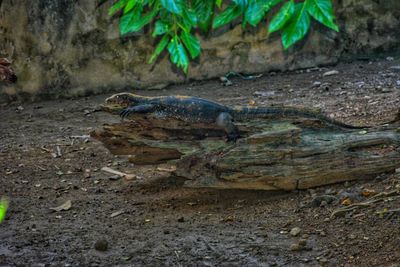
column 194, row 109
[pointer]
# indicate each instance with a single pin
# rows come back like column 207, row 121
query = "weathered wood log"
column 284, row 154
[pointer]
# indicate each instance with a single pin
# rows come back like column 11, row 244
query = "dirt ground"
column 161, row 223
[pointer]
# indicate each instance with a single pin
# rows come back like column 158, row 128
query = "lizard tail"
column 289, row 112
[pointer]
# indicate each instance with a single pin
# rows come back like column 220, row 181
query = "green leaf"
column 116, row 7
column 160, row 28
column 254, row 12
column 173, row 6
column 3, row 208
column 133, row 21
column 189, row 18
column 242, row 4
column 192, row 44
column 178, row 54
column 129, row 19
column 297, row 27
column 229, row 14
column 159, row 48
column 322, row 11
column 282, row 17
column 129, row 6
column 218, row 3
column 204, row 10
column 268, row 4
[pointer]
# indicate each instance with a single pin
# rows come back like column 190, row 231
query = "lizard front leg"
column 141, row 109
column 225, row 121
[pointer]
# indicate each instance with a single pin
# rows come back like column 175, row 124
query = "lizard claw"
column 125, row 112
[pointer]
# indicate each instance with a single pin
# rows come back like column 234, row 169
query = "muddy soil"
column 46, row 159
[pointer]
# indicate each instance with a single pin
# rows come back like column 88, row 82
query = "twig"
column 59, row 154
column 121, row 174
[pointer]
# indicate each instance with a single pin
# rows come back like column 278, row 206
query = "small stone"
column 317, row 200
column 390, row 58
column 114, row 177
column 19, row 108
column 330, row 73
column 323, row 260
column 181, row 219
column 352, row 236
column 316, row 84
column 295, row 231
column 386, row 90
column 302, row 242
column 295, row 247
column 395, row 68
column 323, row 203
column 264, row 93
column 101, row 245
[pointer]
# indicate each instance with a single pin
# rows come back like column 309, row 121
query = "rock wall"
column 62, row 48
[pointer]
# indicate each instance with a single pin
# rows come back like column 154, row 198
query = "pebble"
column 101, row 245
column 295, row 231
column 316, row 84
column 19, row 108
column 330, row 73
column 264, row 93
column 390, row 58
column 114, row 177
column 318, row 200
column 386, row 90
column 322, row 259
column 295, row 247
column 352, row 236
column 302, row 242
column 395, row 68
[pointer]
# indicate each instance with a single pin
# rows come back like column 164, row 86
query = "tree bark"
column 281, row 154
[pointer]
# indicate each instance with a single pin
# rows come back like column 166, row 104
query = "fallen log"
column 273, row 154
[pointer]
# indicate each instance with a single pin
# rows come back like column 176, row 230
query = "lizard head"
column 123, row 99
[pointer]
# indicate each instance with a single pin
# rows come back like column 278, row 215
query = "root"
column 371, row 201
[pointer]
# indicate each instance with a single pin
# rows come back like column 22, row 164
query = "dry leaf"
column 368, row 193
column 66, row 206
column 347, row 202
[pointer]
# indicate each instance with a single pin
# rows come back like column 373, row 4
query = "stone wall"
column 65, row 48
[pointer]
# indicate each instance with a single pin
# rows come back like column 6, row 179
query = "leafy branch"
column 174, row 22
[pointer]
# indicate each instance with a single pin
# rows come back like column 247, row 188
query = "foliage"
column 174, row 22
column 3, row 208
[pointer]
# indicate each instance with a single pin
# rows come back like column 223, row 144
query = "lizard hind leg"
column 225, row 121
